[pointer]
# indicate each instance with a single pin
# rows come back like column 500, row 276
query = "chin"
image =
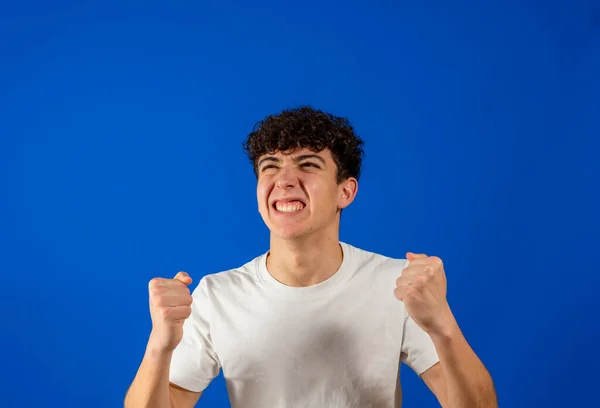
column 289, row 232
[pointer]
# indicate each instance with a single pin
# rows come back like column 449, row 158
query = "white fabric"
column 335, row 344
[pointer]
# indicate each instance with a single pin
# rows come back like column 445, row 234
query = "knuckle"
column 180, row 293
column 398, row 292
column 153, row 283
column 165, row 312
column 155, row 292
column 160, row 301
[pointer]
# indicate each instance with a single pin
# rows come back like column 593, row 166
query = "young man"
column 313, row 322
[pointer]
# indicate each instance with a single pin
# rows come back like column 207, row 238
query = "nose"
column 286, row 178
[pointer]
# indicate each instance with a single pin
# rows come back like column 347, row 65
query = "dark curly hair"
column 305, row 127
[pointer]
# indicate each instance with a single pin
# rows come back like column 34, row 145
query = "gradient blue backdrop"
column 120, row 159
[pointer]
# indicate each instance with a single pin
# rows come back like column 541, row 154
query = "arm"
column 151, row 387
column 460, row 379
column 170, row 307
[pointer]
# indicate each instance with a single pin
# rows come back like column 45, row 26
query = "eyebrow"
column 296, row 159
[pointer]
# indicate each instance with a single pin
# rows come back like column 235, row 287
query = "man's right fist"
column 170, row 305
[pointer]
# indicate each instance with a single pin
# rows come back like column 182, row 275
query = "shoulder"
column 220, row 293
column 374, row 277
column 237, row 278
column 370, row 261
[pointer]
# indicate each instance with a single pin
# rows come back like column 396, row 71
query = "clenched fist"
column 422, row 288
column 170, row 305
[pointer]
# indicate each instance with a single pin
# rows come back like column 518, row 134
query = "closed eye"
column 268, row 166
column 306, row 164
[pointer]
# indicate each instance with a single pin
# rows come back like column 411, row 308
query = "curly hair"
column 306, row 127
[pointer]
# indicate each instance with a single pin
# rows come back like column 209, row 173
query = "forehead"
column 295, row 153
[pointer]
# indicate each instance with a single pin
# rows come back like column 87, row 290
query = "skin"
column 460, row 379
column 305, row 250
column 304, row 246
column 169, row 301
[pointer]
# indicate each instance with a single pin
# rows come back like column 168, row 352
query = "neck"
column 304, row 261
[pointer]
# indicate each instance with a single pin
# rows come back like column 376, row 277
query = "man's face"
column 298, row 193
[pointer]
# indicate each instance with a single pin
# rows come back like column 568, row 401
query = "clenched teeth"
column 289, row 207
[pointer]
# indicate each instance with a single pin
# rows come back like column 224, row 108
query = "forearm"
column 468, row 382
column 150, row 387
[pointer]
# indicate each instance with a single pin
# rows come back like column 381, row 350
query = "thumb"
column 412, row 256
column 183, row 277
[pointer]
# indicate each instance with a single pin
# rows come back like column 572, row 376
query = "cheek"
column 314, row 191
column 262, row 194
column 322, row 195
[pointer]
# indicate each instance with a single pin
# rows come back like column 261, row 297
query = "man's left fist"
column 422, row 288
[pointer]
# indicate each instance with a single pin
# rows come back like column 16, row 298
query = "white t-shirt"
column 335, row 344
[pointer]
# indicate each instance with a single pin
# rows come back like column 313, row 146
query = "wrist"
column 447, row 329
column 155, row 349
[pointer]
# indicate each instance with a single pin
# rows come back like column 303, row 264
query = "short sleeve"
column 195, row 363
column 418, row 350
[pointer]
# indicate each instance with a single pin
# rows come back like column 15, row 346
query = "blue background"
column 121, row 126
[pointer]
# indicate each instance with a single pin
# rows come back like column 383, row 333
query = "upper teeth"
column 291, row 206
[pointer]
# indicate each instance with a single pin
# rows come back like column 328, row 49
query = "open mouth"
column 288, row 207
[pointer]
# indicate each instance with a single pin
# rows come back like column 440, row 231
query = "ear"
column 348, row 190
